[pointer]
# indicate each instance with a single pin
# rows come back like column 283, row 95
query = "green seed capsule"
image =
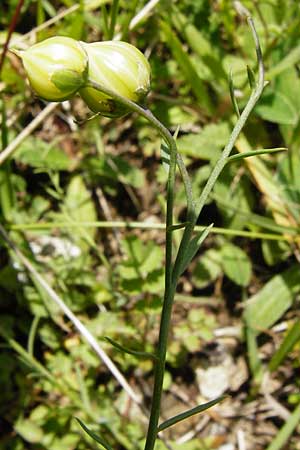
column 120, row 67
column 56, row 67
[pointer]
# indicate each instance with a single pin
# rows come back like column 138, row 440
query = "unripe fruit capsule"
column 56, row 67
column 118, row 66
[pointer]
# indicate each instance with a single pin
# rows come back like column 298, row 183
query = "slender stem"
column 169, row 286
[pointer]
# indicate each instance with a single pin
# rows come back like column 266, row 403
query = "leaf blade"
column 94, row 436
column 189, row 413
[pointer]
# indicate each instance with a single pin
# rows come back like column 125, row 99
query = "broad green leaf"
column 29, row 431
column 292, row 58
column 39, row 154
column 142, row 270
column 236, row 264
column 207, row 269
column 273, row 300
column 79, row 205
column 207, row 144
column 277, row 107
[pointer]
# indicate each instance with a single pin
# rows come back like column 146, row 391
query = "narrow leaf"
column 290, row 340
column 232, row 95
column 251, row 77
column 262, row 151
column 122, row 349
column 193, row 247
column 94, row 435
column 189, row 413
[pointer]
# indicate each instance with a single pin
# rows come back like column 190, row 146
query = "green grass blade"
column 286, row 431
column 104, row 17
column 94, row 436
column 113, row 18
column 197, row 85
column 189, row 413
column 290, row 340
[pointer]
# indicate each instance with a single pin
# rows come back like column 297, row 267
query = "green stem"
column 169, row 286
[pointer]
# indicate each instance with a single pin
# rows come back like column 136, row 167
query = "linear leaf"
column 262, row 151
column 122, row 349
column 193, row 247
column 94, row 436
column 251, row 77
column 232, row 95
column 189, row 413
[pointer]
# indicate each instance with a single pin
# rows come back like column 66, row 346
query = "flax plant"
column 114, row 102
